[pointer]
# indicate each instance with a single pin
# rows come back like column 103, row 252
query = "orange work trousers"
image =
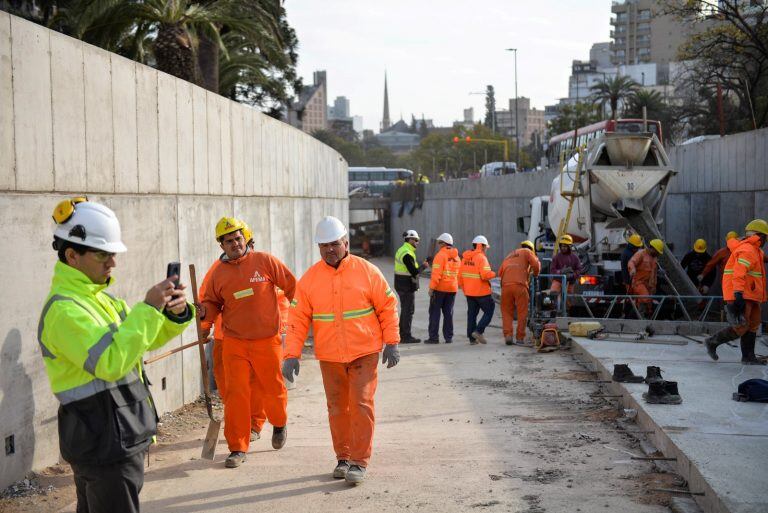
column 349, row 391
column 514, row 297
column 753, row 317
column 242, row 358
column 258, row 417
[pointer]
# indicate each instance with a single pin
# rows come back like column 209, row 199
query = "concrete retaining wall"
column 170, row 158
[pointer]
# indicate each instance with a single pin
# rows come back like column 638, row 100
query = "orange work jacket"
column 475, row 273
column 745, row 270
column 218, row 330
column 517, row 267
column 643, row 266
column 352, row 311
column 445, row 270
column 244, row 293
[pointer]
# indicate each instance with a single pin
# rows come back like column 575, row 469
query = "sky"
column 436, row 52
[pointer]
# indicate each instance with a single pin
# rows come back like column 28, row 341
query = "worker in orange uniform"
column 243, row 290
column 443, row 285
column 258, row 417
column 718, row 260
column 353, row 314
column 475, row 276
column 515, row 273
column 643, row 272
column 743, row 291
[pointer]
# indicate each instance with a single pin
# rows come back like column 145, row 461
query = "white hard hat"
column 411, row 234
column 446, row 237
column 330, row 229
column 480, row 239
column 92, row 225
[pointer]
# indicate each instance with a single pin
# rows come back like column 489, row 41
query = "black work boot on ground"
column 659, row 393
column 653, row 375
column 721, row 337
column 449, row 341
column 410, row 340
column 279, row 437
column 623, row 374
column 235, row 459
column 748, row 349
column 342, row 467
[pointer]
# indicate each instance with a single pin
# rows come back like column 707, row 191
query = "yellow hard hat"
column 566, row 239
column 228, row 225
column 700, row 246
column 247, row 233
column 528, row 244
column 658, row 245
column 731, row 235
column 757, row 225
column 635, row 240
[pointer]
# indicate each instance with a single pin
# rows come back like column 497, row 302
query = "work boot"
column 235, row 459
column 342, row 467
column 479, row 337
column 410, row 340
column 255, row 435
column 659, row 393
column 653, row 375
column 472, row 341
column 279, row 436
column 523, row 342
column 748, row 349
column 509, row 341
column 721, row 337
column 449, row 341
column 432, row 341
column 355, row 474
column 623, row 374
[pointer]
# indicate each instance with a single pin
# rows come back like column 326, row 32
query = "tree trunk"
column 208, row 63
column 174, row 53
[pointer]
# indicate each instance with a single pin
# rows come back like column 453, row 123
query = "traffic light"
column 455, row 140
column 469, row 139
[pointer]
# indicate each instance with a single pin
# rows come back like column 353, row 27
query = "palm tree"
column 651, row 100
column 612, row 91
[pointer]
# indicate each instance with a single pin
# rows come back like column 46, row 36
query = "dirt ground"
column 459, row 427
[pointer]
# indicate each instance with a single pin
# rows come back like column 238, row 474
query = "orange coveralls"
column 515, row 272
column 244, row 293
column 745, row 273
column 353, row 313
column 642, row 267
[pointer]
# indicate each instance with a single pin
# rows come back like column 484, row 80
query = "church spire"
column 385, row 121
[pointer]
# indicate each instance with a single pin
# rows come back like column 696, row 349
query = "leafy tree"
column 490, row 108
column 574, row 116
column 611, row 91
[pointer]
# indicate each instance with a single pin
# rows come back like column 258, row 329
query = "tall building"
column 385, row 122
column 531, row 120
column 600, row 54
column 642, row 34
column 310, row 111
column 340, row 109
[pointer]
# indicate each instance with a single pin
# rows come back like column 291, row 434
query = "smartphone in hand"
column 174, row 269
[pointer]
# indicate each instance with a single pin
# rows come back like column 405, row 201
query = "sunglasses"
column 101, row 256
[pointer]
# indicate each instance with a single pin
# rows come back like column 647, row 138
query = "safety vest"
column 92, row 345
column 745, row 270
column 405, row 249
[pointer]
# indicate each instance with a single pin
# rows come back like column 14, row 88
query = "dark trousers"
column 441, row 302
column 110, row 488
column 407, row 307
column 474, row 305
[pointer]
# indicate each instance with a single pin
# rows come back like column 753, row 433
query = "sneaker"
column 342, row 467
column 522, row 342
column 509, row 341
column 235, row 459
column 279, row 436
column 449, row 341
column 623, row 374
column 653, row 374
column 355, row 475
column 410, row 340
column 479, row 337
column 431, row 341
column 255, row 435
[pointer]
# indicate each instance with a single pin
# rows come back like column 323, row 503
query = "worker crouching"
column 567, row 263
column 515, row 273
column 353, row 315
column 743, row 291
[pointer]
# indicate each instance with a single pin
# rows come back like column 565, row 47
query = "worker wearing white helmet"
column 92, row 346
column 475, row 280
column 407, row 272
column 443, row 286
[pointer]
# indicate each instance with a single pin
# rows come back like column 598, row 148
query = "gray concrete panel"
column 33, row 118
column 240, row 152
column 214, row 143
column 124, row 124
column 99, row 131
column 736, row 210
column 7, row 153
column 303, row 249
column 761, row 207
column 677, row 221
column 705, row 220
column 282, row 230
column 255, row 212
column 252, row 142
column 750, row 164
column 200, row 129
column 226, row 145
column 146, row 129
column 185, row 137
column 167, row 134
column 68, row 107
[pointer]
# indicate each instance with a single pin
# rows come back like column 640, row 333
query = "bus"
column 376, row 181
column 569, row 141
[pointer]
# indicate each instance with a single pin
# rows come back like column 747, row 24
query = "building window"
column 645, row 14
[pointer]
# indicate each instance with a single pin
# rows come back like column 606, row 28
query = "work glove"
column 290, row 368
column 390, row 356
column 739, row 305
column 704, row 289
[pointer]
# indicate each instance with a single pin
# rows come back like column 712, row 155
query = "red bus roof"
column 594, row 127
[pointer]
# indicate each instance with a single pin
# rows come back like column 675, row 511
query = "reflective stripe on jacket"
column 517, row 267
column 445, row 270
column 405, row 249
column 92, row 345
column 643, row 266
column 745, row 270
column 351, row 309
column 475, row 273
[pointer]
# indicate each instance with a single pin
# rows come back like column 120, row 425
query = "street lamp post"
column 517, row 128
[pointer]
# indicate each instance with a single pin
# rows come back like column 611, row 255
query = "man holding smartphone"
column 92, row 346
column 243, row 290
